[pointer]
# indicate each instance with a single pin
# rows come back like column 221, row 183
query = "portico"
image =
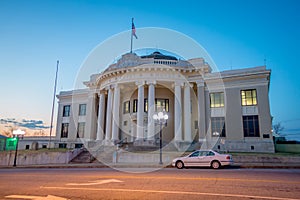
column 145, row 98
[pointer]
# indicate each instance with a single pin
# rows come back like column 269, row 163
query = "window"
column 135, row 105
column 62, row 145
column 195, row 154
column 217, row 100
column 126, row 108
column 66, row 111
column 218, row 126
column 251, row 126
column 64, row 130
column 78, row 146
column 249, row 97
column 82, row 109
column 161, row 104
column 203, row 153
column 145, row 105
column 80, row 129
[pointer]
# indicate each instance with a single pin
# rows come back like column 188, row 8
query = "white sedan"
column 203, row 158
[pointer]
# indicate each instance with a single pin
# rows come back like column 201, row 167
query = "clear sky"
column 236, row 34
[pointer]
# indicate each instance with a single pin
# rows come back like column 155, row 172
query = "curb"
column 137, row 165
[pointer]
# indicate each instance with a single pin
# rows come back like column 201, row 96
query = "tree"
column 8, row 133
column 278, row 128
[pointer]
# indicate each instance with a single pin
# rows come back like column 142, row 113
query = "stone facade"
column 226, row 110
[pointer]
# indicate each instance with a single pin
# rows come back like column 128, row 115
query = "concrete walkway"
column 241, row 161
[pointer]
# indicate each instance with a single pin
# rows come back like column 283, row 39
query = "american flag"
column 133, row 30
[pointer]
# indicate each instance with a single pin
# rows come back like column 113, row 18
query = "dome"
column 158, row 55
column 133, row 60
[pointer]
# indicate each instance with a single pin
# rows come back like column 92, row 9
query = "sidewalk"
column 240, row 161
column 150, row 165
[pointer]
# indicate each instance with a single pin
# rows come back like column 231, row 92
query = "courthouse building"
column 226, row 110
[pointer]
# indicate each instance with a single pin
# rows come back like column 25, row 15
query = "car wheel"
column 179, row 165
column 215, row 164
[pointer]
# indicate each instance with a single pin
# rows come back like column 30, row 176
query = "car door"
column 192, row 159
column 202, row 159
column 208, row 157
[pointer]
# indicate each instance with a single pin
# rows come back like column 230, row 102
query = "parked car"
column 203, row 158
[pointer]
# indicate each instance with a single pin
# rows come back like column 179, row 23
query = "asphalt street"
column 168, row 183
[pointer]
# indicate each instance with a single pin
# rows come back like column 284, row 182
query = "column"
column 108, row 115
column 116, row 114
column 201, row 110
column 187, row 113
column 140, row 111
column 133, row 131
column 90, row 133
column 177, row 112
column 59, row 121
column 101, row 113
column 151, row 110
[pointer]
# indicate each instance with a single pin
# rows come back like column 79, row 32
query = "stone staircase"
column 129, row 152
column 84, row 157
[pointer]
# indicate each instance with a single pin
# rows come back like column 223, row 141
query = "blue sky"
column 236, row 34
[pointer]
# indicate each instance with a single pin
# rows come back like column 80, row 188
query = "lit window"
column 82, row 109
column 135, row 105
column 249, row 97
column 80, row 129
column 217, row 100
column 126, row 108
column 64, row 130
column 218, row 127
column 251, row 126
column 66, row 111
column 145, row 105
column 161, row 104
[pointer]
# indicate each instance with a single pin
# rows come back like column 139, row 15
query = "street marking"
column 49, row 197
column 171, row 192
column 98, row 182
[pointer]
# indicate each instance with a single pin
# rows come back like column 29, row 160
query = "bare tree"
column 278, row 128
column 8, row 133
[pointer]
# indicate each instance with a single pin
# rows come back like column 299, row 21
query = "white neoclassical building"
column 226, row 110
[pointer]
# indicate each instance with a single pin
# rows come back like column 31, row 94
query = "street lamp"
column 161, row 118
column 17, row 134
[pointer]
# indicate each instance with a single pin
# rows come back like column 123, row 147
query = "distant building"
column 226, row 110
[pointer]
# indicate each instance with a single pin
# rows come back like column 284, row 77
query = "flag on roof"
column 133, row 30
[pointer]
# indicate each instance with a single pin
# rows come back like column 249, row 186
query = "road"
column 169, row 183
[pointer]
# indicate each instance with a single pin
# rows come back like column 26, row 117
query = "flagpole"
column 53, row 102
column 131, row 36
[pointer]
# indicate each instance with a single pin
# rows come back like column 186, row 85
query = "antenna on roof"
column 265, row 60
column 53, row 102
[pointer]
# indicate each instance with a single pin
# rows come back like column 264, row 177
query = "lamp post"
column 17, row 134
column 161, row 118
